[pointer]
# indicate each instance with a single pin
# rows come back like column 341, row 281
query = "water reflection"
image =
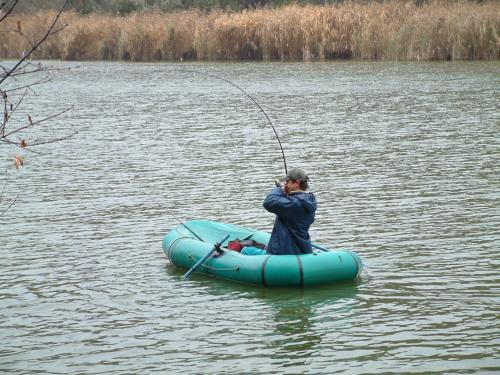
column 296, row 312
column 295, row 317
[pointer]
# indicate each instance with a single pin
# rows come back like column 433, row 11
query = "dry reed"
column 392, row 30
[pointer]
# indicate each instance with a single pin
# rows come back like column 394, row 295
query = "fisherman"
column 295, row 209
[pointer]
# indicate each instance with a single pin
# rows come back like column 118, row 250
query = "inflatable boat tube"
column 189, row 242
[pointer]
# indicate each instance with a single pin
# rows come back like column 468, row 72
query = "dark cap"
column 297, row 174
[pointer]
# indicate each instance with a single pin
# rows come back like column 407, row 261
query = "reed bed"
column 390, row 30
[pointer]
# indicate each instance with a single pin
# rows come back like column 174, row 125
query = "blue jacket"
column 294, row 216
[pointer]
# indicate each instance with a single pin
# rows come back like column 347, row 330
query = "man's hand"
column 281, row 184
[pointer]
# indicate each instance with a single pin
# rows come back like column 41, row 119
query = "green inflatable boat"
column 189, row 242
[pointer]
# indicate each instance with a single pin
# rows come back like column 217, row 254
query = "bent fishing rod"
column 253, row 100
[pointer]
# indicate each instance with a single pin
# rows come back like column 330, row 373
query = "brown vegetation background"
column 392, row 30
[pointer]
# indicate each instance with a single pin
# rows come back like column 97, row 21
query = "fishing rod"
column 198, row 237
column 185, row 226
column 253, row 100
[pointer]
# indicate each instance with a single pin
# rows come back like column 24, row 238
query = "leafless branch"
column 44, row 37
column 38, row 70
column 18, row 145
column 8, row 10
column 17, row 89
column 11, row 202
column 9, row 206
column 58, row 30
column 3, row 189
column 7, row 114
column 29, row 86
column 36, row 123
column 22, row 34
column 26, row 37
column 38, row 143
column 19, row 102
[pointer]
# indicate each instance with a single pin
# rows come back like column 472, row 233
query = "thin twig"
column 10, row 205
column 4, row 185
column 17, row 144
column 58, row 30
column 37, row 143
column 3, row 68
column 38, row 70
column 19, row 102
column 7, row 118
column 5, row 111
column 42, row 81
column 26, row 37
column 37, row 122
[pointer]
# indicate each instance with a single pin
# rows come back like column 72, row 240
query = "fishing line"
column 253, row 100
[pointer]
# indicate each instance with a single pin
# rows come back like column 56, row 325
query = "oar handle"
column 219, row 243
column 210, row 253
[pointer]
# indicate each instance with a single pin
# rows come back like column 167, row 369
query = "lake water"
column 404, row 161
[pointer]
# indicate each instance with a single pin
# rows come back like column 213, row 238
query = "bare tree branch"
column 8, row 10
column 18, row 145
column 38, row 70
column 13, row 110
column 58, row 30
column 28, row 86
column 8, row 115
column 36, row 123
column 38, row 143
column 20, row 33
column 46, row 35
column 12, row 99
column 9, row 206
column 3, row 189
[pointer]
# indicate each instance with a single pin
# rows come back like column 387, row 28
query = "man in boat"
column 295, row 208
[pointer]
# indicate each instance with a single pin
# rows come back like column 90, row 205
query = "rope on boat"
column 213, row 268
column 173, row 243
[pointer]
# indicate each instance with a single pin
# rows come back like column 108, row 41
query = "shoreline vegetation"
column 391, row 30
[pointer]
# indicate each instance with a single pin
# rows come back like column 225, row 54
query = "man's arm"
column 280, row 204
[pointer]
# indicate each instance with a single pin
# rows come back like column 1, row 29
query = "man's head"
column 296, row 180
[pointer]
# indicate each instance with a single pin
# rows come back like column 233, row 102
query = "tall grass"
column 390, row 30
